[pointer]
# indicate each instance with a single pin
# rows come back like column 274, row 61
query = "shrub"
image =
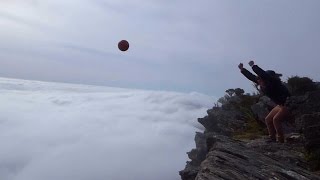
column 253, row 129
column 313, row 158
column 239, row 91
column 300, row 85
column 230, row 92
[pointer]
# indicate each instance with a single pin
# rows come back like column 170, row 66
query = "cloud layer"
column 54, row 131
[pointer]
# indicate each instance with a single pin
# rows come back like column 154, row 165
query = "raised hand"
column 240, row 66
column 251, row 63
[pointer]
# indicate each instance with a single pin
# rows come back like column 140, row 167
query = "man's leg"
column 277, row 120
column 269, row 122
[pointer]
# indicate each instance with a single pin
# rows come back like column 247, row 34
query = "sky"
column 184, row 46
column 51, row 131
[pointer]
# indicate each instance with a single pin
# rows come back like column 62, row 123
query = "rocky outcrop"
column 312, row 130
column 218, row 156
column 304, row 105
column 196, row 155
column 306, row 110
column 222, row 121
column 262, row 108
column 231, row 159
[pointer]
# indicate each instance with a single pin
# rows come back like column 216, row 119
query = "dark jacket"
column 274, row 88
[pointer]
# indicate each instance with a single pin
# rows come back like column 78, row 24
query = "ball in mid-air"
column 123, row 45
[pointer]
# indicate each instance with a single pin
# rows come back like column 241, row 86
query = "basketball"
column 123, row 45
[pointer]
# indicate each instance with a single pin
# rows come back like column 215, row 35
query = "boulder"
column 231, row 159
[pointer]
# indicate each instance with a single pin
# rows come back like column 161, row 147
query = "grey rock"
column 222, row 121
column 306, row 111
column 190, row 172
column 260, row 110
column 231, row 159
column 196, row 156
column 218, row 156
column 200, row 140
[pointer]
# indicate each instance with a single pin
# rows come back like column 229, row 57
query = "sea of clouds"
column 51, row 131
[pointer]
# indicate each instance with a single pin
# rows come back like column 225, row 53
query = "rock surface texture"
column 218, row 156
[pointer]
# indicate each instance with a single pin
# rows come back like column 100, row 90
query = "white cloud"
column 63, row 131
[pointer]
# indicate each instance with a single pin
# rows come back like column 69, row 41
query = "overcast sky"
column 174, row 45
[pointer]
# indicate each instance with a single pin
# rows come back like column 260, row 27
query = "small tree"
column 230, row 92
column 239, row 91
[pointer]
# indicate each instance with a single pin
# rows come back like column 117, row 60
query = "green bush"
column 313, row 159
column 236, row 99
column 239, row 91
column 300, row 85
column 253, row 129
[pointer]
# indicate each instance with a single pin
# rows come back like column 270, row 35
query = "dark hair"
column 273, row 74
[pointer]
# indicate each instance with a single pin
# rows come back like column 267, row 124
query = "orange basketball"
column 123, row 45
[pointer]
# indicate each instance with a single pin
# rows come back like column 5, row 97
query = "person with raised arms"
column 270, row 85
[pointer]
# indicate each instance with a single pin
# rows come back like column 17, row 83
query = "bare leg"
column 269, row 122
column 277, row 120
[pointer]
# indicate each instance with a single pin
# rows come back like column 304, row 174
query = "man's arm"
column 247, row 74
column 260, row 72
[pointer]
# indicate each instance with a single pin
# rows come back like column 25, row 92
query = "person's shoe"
column 270, row 140
column 280, row 139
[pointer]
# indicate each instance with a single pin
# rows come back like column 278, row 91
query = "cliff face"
column 219, row 156
column 230, row 159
